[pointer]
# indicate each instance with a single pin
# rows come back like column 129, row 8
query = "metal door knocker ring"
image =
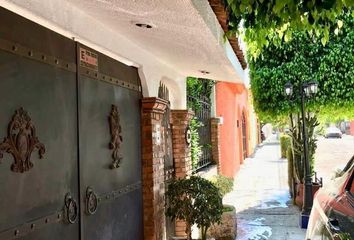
column 71, row 211
column 91, row 201
column 188, row 136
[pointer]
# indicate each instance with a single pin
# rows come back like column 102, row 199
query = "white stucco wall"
column 213, row 102
column 72, row 22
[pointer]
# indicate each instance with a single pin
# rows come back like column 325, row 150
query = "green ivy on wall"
column 198, row 89
column 196, row 148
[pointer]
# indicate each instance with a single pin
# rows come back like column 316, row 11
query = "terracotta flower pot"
column 299, row 199
column 227, row 229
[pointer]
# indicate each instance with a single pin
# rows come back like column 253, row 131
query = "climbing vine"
column 198, row 90
column 196, row 148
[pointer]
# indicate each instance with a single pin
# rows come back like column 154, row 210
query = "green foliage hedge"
column 305, row 59
column 268, row 22
column 285, row 144
column 223, row 183
column 228, row 208
column 289, row 156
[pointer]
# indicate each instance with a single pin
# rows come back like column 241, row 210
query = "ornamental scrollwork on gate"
column 21, row 141
column 116, row 137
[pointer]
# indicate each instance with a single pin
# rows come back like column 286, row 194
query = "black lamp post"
column 306, row 90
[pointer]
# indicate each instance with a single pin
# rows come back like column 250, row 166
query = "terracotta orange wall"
column 231, row 100
column 352, row 128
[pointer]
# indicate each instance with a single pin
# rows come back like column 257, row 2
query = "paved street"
column 331, row 154
column 262, row 200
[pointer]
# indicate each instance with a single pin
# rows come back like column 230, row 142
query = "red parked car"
column 332, row 214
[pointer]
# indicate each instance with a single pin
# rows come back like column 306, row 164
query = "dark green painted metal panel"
column 69, row 106
column 118, row 217
column 49, row 96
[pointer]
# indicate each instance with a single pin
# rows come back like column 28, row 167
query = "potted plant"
column 194, row 200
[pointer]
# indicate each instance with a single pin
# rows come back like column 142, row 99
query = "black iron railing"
column 203, row 113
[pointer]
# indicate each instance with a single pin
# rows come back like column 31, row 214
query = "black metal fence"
column 203, row 113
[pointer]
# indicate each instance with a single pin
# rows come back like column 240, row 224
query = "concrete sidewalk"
column 262, row 200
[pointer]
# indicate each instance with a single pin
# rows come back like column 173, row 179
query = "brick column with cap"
column 153, row 168
column 181, row 152
column 215, row 141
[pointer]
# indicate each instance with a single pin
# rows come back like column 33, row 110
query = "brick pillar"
column 215, row 141
column 181, row 153
column 153, row 168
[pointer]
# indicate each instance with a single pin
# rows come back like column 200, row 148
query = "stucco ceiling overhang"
column 185, row 36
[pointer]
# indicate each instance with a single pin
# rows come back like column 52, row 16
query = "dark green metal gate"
column 70, row 164
column 109, row 136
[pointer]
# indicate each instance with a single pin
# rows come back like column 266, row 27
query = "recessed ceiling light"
column 204, row 72
column 144, row 25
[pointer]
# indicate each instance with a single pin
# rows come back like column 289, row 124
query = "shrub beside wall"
column 224, row 184
column 285, row 143
column 290, row 158
column 227, row 228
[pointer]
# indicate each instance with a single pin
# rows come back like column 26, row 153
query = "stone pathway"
column 262, row 200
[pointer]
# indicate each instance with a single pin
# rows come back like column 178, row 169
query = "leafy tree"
column 196, row 201
column 304, row 59
column 270, row 21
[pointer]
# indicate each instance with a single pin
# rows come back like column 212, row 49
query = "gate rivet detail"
column 33, row 54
